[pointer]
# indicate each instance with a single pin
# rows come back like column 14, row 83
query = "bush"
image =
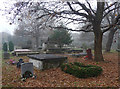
column 11, row 46
column 5, row 48
column 80, row 70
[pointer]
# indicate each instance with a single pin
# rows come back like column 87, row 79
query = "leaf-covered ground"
column 57, row 78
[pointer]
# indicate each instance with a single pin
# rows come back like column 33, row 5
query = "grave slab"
column 47, row 61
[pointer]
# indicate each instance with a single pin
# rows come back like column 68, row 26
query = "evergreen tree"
column 5, row 48
column 61, row 37
column 11, row 46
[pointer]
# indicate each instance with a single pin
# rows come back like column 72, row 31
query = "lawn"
column 57, row 78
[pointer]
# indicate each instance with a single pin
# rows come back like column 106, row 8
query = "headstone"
column 89, row 53
column 27, row 70
column 44, row 46
column 6, row 55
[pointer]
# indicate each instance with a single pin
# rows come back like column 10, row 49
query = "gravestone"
column 6, row 55
column 27, row 70
column 89, row 53
column 44, row 46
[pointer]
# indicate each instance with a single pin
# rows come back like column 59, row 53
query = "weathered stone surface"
column 43, row 57
column 26, row 67
column 38, row 64
column 6, row 55
column 46, row 61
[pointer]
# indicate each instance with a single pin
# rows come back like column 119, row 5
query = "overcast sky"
column 4, row 24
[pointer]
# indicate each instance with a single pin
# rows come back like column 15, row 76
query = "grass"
column 0, row 53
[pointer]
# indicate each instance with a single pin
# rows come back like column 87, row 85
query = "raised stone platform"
column 46, row 61
column 21, row 52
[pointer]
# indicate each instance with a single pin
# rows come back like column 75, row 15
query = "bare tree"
column 94, row 18
column 110, row 20
column 80, row 13
column 30, row 25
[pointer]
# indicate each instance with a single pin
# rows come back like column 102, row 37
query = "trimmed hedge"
column 80, row 70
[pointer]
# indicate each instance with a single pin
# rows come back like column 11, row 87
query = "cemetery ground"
column 56, row 78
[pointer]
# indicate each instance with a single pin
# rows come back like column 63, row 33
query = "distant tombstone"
column 27, row 70
column 89, row 53
column 6, row 55
column 44, row 46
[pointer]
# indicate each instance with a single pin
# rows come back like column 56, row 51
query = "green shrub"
column 11, row 46
column 79, row 64
column 5, row 48
column 80, row 70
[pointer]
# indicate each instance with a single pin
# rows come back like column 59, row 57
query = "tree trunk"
column 98, row 46
column 110, row 40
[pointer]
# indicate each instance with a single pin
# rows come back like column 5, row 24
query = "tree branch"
column 90, row 7
column 69, row 29
column 110, row 11
column 110, row 6
column 116, row 22
column 81, row 14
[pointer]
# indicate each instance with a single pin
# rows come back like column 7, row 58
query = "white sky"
column 4, row 24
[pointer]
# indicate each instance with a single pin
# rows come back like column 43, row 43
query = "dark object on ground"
column 81, row 71
column 19, row 63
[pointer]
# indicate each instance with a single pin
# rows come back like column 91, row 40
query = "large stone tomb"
column 46, row 61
